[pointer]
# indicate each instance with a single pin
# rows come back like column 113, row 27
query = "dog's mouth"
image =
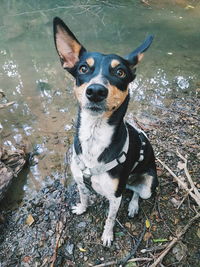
column 95, row 108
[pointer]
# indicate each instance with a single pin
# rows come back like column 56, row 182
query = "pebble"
column 82, row 225
column 70, row 248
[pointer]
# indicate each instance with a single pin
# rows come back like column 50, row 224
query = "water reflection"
column 31, row 75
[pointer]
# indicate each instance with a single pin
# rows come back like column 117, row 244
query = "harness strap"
column 141, row 157
column 88, row 172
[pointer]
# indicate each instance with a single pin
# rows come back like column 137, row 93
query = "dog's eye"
column 120, row 73
column 83, row 69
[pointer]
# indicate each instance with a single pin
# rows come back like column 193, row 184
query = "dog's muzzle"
column 96, row 93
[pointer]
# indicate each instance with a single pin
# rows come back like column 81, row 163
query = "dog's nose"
column 96, row 92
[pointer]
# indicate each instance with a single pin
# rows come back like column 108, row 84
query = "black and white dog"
column 109, row 154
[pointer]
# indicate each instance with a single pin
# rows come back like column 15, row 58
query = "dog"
column 109, row 154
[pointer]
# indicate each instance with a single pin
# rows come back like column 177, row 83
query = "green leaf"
column 131, row 264
column 119, row 234
column 160, row 240
column 147, row 223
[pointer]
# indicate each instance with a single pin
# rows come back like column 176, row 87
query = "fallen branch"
column 174, row 241
column 193, row 192
column 183, row 184
column 193, row 187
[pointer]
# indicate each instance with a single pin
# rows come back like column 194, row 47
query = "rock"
column 82, row 225
column 11, row 163
column 70, row 248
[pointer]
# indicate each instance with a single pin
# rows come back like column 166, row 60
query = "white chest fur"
column 95, row 135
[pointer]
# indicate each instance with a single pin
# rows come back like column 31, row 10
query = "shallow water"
column 31, row 75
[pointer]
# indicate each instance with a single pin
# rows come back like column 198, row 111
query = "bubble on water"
column 182, row 82
column 27, row 129
column 1, row 127
column 9, row 144
column 18, row 138
column 67, row 127
column 40, row 148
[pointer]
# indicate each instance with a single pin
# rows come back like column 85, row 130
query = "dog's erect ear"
column 68, row 47
column 136, row 56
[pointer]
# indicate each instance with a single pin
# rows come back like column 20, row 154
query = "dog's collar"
column 88, row 172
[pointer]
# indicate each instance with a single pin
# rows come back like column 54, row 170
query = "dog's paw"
column 133, row 209
column 107, row 238
column 78, row 209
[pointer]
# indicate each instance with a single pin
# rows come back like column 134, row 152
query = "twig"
column 174, row 240
column 123, row 261
column 134, row 250
column 184, row 185
column 6, row 105
column 153, row 249
column 145, row 2
column 124, row 228
column 105, row 264
column 188, row 175
column 184, row 198
column 59, row 227
column 140, row 259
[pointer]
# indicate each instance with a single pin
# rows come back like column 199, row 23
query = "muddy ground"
column 43, row 232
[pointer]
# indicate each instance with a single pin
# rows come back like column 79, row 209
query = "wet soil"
column 42, row 231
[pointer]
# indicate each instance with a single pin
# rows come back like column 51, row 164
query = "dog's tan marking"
column 68, row 49
column 114, row 63
column 115, row 183
column 90, row 61
column 79, row 91
column 140, row 57
column 115, row 98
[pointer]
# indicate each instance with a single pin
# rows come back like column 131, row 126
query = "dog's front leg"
column 82, row 206
column 83, row 191
column 107, row 236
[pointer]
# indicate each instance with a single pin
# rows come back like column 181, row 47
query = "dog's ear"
column 68, row 47
column 136, row 56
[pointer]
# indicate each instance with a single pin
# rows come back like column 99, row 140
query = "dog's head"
column 101, row 80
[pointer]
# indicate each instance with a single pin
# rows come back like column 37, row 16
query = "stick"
column 184, row 185
column 6, row 105
column 188, row 175
column 140, row 259
column 59, row 231
column 124, row 228
column 134, row 250
column 122, row 262
column 105, row 264
column 174, row 240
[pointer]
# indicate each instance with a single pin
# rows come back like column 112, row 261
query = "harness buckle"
column 121, row 158
column 87, row 173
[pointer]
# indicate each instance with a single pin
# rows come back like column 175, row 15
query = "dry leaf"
column 30, row 220
column 176, row 220
column 26, row 259
column 181, row 165
column 147, row 236
column 153, row 228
